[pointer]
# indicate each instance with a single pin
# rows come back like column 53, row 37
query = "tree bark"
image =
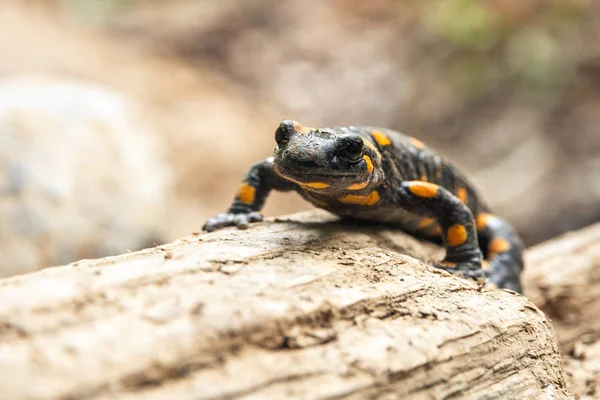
column 563, row 279
column 301, row 307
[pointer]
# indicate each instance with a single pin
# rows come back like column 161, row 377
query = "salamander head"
column 325, row 159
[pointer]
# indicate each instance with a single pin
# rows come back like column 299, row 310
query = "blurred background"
column 125, row 123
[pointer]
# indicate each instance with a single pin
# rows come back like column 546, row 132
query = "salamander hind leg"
column 459, row 236
column 503, row 251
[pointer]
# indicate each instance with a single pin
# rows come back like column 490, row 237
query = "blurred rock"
column 209, row 128
column 80, row 175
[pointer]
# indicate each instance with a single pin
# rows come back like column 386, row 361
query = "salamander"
column 379, row 175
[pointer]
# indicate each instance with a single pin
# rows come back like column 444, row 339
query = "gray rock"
column 80, row 174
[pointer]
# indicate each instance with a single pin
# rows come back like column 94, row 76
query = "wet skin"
column 379, row 175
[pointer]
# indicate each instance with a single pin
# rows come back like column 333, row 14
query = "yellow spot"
column 463, row 195
column 448, row 264
column 433, row 230
column 436, row 231
column 485, row 265
column 381, row 139
column 367, row 200
column 246, row 193
column 423, row 189
column 307, row 185
column 358, row 186
column 297, row 127
column 316, row 185
column 456, row 235
column 423, row 178
column 374, row 149
column 498, row 245
column 369, row 163
column 417, row 143
column 306, row 129
column 482, row 220
column 425, row 222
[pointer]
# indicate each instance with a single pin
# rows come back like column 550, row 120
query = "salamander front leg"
column 250, row 197
column 459, row 236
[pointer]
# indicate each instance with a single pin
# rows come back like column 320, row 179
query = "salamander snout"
column 349, row 147
column 286, row 129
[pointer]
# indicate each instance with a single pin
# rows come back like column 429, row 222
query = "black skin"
column 383, row 176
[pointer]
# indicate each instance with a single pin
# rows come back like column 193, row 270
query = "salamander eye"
column 351, row 147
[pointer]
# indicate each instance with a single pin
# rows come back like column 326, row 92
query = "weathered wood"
column 563, row 279
column 297, row 308
column 582, row 370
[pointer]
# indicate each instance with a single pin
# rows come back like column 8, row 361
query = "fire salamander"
column 384, row 176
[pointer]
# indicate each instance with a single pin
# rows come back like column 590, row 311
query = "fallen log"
column 582, row 370
column 563, row 279
column 301, row 307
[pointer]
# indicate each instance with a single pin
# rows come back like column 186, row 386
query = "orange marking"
column 498, row 245
column 456, row 235
column 485, row 265
column 423, row 178
column 367, row 200
column 432, row 231
column 246, row 193
column 369, row 163
column 306, row 185
column 297, row 127
column 423, row 189
column 425, row 222
column 482, row 220
column 417, row 143
column 463, row 195
column 316, row 185
column 381, row 139
column 448, row 264
column 374, row 149
column 358, row 186
column 435, row 231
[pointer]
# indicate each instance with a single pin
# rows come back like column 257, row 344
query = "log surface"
column 563, row 279
column 298, row 308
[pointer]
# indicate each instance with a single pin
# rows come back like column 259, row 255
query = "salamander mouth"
column 299, row 175
column 330, row 174
column 330, row 178
column 322, row 182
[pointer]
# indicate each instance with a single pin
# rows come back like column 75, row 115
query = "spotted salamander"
column 384, row 176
